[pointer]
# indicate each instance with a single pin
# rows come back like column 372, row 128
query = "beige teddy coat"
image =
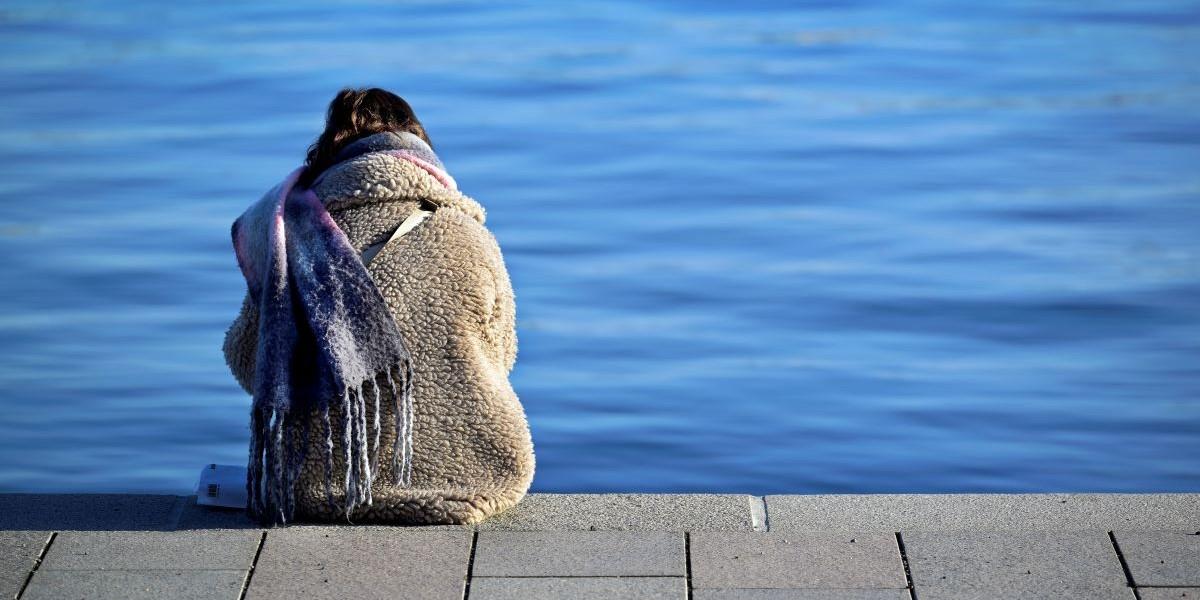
column 447, row 288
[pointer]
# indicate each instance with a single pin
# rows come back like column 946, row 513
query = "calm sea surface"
column 756, row 247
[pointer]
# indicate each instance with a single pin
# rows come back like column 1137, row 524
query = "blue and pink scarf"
column 324, row 333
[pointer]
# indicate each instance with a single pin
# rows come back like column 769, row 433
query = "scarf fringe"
column 278, row 447
column 402, row 449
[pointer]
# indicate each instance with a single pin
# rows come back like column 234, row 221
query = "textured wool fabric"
column 448, row 291
column 325, row 333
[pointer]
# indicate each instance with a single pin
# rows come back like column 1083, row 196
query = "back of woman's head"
column 354, row 114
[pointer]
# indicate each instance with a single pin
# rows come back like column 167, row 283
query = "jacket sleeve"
column 501, row 326
column 241, row 345
column 504, row 318
column 488, row 303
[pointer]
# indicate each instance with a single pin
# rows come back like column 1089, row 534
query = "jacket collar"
column 390, row 140
column 401, row 140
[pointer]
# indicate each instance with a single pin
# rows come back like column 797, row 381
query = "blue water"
column 756, row 247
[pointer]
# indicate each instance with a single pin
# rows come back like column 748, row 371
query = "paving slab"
column 361, row 563
column 578, row 588
column 1190, row 593
column 579, row 553
column 1024, row 591
column 87, row 512
column 983, row 512
column 630, row 512
column 1015, row 564
column 1158, row 558
column 145, row 550
column 19, row 551
column 779, row 594
column 794, row 560
column 136, row 585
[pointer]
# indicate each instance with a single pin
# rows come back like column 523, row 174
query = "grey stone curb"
column 984, row 512
column 715, row 546
column 670, row 512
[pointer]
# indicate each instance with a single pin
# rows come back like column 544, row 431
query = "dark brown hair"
column 354, row 114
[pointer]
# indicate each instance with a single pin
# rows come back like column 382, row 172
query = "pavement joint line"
column 253, row 565
column 687, row 561
column 912, row 589
column 36, row 563
column 1124, row 566
column 470, row 565
column 576, row 577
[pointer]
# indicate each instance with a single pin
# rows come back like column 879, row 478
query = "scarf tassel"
column 277, row 449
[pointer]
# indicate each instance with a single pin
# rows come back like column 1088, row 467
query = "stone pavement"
column 617, row 546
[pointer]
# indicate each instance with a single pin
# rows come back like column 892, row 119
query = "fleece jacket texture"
column 446, row 286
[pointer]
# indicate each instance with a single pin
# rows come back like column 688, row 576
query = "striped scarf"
column 325, row 332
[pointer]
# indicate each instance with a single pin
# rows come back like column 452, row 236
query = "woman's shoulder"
column 462, row 226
